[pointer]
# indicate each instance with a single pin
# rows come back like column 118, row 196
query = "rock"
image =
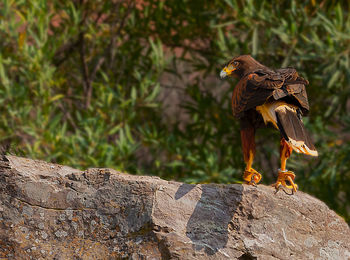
column 49, row 211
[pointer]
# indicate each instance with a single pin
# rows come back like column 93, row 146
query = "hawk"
column 264, row 96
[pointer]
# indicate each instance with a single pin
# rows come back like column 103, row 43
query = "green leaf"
column 56, row 97
column 255, row 42
column 335, row 76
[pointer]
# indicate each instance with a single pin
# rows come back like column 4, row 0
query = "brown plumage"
column 263, row 96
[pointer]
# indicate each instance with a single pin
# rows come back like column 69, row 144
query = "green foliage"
column 87, row 83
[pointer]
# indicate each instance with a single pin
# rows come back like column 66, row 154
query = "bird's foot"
column 252, row 177
column 285, row 180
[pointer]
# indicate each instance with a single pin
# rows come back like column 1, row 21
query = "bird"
column 267, row 97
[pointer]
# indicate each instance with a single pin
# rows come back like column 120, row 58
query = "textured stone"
column 49, row 211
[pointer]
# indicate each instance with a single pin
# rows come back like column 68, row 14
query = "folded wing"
column 261, row 86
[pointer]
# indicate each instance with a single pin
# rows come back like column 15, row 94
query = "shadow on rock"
column 183, row 190
column 208, row 225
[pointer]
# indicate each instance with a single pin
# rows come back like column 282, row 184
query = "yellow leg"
column 250, row 175
column 283, row 174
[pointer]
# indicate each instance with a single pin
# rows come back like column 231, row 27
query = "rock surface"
column 49, row 211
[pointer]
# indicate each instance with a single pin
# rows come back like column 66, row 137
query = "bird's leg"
column 284, row 175
column 250, row 175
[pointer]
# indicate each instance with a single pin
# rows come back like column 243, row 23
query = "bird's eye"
column 230, row 67
column 235, row 63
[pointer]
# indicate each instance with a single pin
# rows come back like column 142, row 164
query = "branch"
column 85, row 71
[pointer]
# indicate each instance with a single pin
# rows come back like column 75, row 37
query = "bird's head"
column 240, row 66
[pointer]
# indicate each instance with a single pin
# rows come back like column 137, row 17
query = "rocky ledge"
column 50, row 211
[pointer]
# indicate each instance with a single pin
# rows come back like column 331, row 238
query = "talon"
column 283, row 178
column 252, row 177
column 252, row 182
column 278, row 187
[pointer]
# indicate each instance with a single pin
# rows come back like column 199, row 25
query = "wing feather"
column 257, row 87
column 253, row 90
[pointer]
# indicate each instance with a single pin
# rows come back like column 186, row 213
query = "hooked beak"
column 226, row 72
column 223, row 74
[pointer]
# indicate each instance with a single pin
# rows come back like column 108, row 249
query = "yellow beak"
column 226, row 72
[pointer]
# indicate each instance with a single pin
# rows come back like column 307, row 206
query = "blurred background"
column 134, row 86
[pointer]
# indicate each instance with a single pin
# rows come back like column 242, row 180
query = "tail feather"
column 293, row 130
